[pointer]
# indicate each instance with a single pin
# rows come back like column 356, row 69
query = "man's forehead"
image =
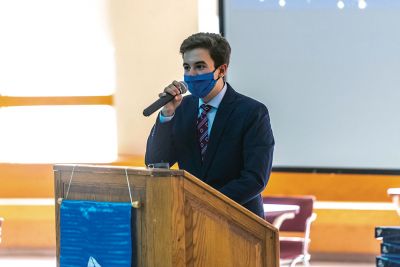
column 198, row 55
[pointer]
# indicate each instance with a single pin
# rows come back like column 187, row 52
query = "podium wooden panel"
column 181, row 222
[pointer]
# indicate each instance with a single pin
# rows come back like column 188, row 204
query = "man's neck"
column 218, row 87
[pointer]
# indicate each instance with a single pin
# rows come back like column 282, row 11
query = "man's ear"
column 222, row 70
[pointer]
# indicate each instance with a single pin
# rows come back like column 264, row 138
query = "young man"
column 220, row 136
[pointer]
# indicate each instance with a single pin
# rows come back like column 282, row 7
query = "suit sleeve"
column 160, row 147
column 258, row 146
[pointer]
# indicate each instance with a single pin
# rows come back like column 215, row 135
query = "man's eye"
column 200, row 67
column 186, row 68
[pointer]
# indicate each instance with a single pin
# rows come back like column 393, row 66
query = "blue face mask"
column 200, row 85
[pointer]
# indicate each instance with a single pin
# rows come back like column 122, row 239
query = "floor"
column 341, row 264
column 6, row 261
column 31, row 262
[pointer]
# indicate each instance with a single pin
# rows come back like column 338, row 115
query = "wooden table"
column 281, row 212
column 395, row 194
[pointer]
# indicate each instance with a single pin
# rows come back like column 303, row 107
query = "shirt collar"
column 216, row 99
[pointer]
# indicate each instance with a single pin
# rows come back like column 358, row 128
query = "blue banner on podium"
column 95, row 234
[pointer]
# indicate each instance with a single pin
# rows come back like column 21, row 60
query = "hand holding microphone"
column 170, row 99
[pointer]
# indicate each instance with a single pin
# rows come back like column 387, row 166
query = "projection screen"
column 329, row 76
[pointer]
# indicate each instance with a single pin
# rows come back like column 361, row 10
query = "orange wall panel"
column 333, row 187
column 26, row 180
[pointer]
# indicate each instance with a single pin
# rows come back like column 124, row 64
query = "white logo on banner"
column 93, row 263
column 378, row 232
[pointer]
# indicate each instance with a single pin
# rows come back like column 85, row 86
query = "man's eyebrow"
column 196, row 63
column 200, row 62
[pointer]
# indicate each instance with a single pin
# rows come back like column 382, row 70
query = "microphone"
column 159, row 103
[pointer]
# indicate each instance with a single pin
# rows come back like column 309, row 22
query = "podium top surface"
column 118, row 169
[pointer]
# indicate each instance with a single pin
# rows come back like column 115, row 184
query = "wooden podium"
column 180, row 220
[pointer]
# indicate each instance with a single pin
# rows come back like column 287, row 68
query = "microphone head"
column 183, row 87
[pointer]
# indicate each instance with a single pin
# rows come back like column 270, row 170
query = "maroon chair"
column 1, row 222
column 294, row 249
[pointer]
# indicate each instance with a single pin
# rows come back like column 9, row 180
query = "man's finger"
column 174, row 89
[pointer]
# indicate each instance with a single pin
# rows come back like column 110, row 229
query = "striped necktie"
column 202, row 129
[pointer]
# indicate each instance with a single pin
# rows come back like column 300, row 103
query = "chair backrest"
column 1, row 221
column 298, row 223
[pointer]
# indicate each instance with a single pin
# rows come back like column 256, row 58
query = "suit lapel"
column 224, row 111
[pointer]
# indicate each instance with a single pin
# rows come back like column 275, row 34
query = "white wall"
column 147, row 36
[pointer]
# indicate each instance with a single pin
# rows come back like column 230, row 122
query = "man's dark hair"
column 218, row 46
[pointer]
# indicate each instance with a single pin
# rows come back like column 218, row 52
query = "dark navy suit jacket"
column 239, row 154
